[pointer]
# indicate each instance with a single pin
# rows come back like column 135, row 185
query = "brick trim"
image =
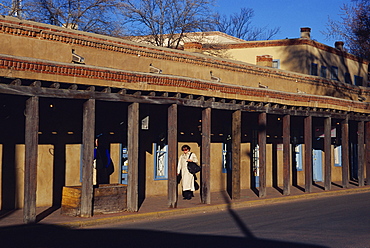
column 17, row 64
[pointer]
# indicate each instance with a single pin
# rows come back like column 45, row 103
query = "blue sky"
column 289, row 15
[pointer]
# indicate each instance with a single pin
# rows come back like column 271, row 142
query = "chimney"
column 193, row 47
column 306, row 33
column 264, row 60
column 339, row 45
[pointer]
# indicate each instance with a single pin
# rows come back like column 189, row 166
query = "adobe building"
column 251, row 129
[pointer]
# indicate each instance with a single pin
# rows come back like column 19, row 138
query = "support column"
column 133, row 158
column 172, row 155
column 367, row 151
column 327, row 151
column 87, row 158
column 236, row 143
column 30, row 167
column 345, row 153
column 361, row 152
column 286, row 154
column 262, row 134
column 206, row 156
column 308, row 153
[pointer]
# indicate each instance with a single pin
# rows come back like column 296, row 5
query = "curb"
column 209, row 208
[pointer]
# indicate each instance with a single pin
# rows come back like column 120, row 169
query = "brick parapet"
column 70, row 73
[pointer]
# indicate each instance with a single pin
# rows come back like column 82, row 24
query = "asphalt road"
column 340, row 221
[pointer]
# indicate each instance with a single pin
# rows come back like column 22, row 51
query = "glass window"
column 160, row 162
column 347, row 78
column 323, row 71
column 314, row 69
column 358, row 80
column 276, row 63
column 334, row 73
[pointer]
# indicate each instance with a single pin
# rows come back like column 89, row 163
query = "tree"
column 354, row 27
column 166, row 22
column 95, row 16
column 240, row 25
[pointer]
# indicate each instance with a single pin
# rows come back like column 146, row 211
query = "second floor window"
column 358, row 80
column 314, row 69
column 334, row 73
column 276, row 63
column 347, row 78
column 323, row 71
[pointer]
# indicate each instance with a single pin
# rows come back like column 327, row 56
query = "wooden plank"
column 30, row 167
column 87, row 158
column 262, row 134
column 206, row 156
column 327, row 151
column 345, row 153
column 236, row 146
column 308, row 153
column 361, row 152
column 367, row 152
column 172, row 155
column 286, row 154
column 133, row 158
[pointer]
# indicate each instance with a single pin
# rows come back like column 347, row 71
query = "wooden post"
column 87, row 158
column 286, row 154
column 361, row 152
column 367, row 152
column 308, row 153
column 236, row 141
column 345, row 153
column 327, row 151
column 206, row 156
column 30, row 167
column 172, row 156
column 262, row 134
column 133, row 158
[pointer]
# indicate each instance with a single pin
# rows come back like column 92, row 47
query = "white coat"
column 187, row 179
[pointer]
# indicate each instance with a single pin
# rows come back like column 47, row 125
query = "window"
column 334, row 73
column 323, row 71
column 226, row 157
column 358, row 80
column 160, row 162
column 347, row 78
column 276, row 63
column 314, row 69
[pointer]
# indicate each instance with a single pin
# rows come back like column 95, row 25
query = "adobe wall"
column 51, row 43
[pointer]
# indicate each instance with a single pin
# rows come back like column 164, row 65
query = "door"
column 317, row 165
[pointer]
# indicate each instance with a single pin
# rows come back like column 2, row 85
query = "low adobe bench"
column 108, row 198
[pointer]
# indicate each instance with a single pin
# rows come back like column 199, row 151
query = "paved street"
column 334, row 221
column 342, row 221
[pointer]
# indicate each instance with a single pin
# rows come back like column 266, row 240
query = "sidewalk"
column 156, row 206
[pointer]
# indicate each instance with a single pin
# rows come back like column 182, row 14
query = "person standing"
column 187, row 179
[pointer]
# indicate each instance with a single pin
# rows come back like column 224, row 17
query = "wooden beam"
column 236, row 145
column 30, row 167
column 206, row 156
column 88, row 135
column 345, row 153
column 367, row 152
column 361, row 152
column 133, row 158
column 308, row 153
column 327, row 151
column 172, row 155
column 262, row 134
column 286, row 154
